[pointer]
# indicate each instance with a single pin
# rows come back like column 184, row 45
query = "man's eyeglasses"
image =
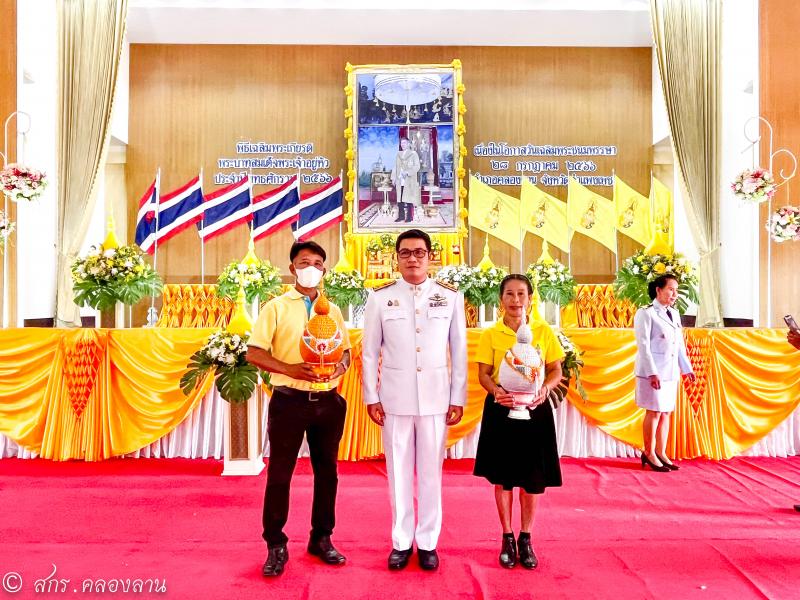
column 405, row 253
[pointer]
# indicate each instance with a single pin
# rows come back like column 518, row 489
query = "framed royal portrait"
column 404, row 147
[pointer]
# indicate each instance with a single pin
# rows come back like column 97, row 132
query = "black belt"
column 309, row 395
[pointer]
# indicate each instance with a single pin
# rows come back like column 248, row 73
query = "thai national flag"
column 319, row 210
column 276, row 208
column 180, row 209
column 226, row 208
column 146, row 219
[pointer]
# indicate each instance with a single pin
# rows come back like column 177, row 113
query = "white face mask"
column 308, row 277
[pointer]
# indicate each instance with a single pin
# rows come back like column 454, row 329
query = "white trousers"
column 409, row 442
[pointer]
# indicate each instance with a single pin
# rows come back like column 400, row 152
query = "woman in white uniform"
column 660, row 360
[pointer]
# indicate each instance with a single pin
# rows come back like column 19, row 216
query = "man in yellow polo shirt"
column 296, row 409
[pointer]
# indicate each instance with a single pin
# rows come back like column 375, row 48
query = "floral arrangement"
column 224, row 353
column 261, row 280
column 22, row 183
column 107, row 276
column 6, row 229
column 436, row 247
column 478, row 286
column 345, row 288
column 571, row 366
column 640, row 269
column 553, row 281
column 384, row 241
column 754, row 185
column 784, row 224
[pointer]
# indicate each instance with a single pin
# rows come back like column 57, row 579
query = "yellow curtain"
column 91, row 393
column 89, row 45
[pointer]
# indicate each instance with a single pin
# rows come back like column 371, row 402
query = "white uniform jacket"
column 660, row 349
column 414, row 329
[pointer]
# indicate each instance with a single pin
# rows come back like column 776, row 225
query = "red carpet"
column 710, row 530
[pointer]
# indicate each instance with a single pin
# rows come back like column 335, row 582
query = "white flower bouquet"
column 553, row 281
column 105, row 276
column 478, row 286
column 345, row 288
column 224, row 353
column 261, row 281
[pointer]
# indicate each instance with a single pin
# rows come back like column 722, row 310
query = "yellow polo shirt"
column 278, row 330
column 498, row 339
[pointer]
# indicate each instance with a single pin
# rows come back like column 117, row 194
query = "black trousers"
column 291, row 415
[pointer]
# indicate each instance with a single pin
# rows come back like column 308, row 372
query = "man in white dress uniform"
column 660, row 360
column 416, row 327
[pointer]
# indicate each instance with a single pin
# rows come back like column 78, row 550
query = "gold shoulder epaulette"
column 452, row 288
column 384, row 285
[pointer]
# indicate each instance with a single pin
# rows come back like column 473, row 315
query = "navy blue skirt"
column 514, row 453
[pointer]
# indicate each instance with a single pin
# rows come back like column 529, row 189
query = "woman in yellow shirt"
column 515, row 453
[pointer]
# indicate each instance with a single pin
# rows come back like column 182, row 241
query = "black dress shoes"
column 276, row 561
column 323, row 548
column 428, row 559
column 398, row 559
column 527, row 557
column 670, row 466
column 508, row 552
column 658, row 468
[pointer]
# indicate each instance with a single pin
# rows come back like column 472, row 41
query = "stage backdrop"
column 191, row 104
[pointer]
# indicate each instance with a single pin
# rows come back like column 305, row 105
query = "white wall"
column 739, row 224
column 36, row 221
column 119, row 116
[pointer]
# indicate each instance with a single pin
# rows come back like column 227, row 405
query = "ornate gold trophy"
column 321, row 342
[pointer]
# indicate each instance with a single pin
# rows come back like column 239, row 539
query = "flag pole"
column 300, row 202
column 341, row 238
column 616, row 233
column 250, row 185
column 521, row 228
column 469, row 237
column 151, row 313
column 202, row 240
column 569, row 236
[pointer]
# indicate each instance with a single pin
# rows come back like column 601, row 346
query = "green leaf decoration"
column 237, row 384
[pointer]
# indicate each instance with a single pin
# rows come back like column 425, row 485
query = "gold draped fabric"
column 93, row 393
column 596, row 306
column 193, row 305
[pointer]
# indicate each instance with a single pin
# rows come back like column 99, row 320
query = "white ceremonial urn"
column 522, row 373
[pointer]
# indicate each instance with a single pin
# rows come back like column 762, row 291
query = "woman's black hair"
column 515, row 277
column 659, row 283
